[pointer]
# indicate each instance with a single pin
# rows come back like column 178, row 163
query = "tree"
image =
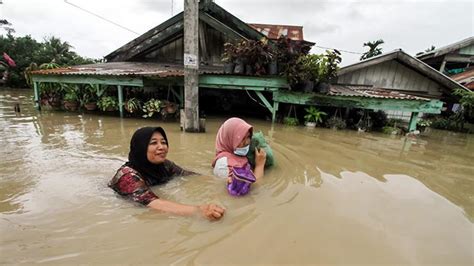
column 26, row 50
column 6, row 26
column 373, row 49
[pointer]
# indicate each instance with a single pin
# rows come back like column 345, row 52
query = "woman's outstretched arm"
column 210, row 211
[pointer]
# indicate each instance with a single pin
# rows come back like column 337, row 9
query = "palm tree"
column 58, row 50
column 373, row 49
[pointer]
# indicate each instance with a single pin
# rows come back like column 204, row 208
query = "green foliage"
column 26, row 50
column 320, row 68
column 108, row 103
column 374, row 50
column 290, row 121
column 133, row 105
column 151, row 107
column 423, row 123
column 71, row 93
column 314, row 115
column 89, row 94
column 467, row 102
column 336, row 123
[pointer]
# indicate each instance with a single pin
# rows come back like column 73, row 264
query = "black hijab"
column 137, row 159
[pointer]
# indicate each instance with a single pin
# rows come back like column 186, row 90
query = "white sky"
column 412, row 25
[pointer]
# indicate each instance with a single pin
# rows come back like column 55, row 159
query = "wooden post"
column 413, row 120
column 191, row 66
column 37, row 96
column 120, row 98
column 443, row 65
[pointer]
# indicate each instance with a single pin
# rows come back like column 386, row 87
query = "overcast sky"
column 412, row 25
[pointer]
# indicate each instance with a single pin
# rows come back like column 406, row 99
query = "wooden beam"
column 204, row 56
column 216, row 24
column 413, row 120
column 223, row 81
column 37, row 95
column 459, row 58
column 82, row 79
column 433, row 106
column 120, row 99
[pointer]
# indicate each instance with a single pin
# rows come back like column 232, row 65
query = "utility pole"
column 191, row 66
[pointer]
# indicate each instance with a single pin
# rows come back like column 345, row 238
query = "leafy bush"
column 108, row 103
column 314, row 115
column 151, row 107
column 336, row 123
column 290, row 121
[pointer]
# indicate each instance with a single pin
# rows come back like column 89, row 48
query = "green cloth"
column 258, row 141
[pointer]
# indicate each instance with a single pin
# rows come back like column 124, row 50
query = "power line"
column 344, row 51
column 99, row 16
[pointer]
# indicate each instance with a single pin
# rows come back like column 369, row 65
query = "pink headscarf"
column 229, row 136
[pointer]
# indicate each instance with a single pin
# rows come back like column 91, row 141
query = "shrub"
column 336, row 123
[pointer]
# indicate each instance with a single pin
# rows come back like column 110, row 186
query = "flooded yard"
column 334, row 197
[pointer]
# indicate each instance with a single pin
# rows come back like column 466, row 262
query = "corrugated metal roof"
column 370, row 92
column 275, row 31
column 465, row 78
column 127, row 69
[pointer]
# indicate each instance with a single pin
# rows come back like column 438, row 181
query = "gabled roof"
column 407, row 60
column 209, row 12
column 447, row 49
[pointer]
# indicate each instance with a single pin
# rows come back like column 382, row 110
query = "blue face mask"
column 242, row 151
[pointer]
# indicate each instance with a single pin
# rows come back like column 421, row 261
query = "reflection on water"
column 334, row 197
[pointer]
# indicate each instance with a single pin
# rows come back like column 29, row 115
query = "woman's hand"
column 211, row 211
column 260, row 157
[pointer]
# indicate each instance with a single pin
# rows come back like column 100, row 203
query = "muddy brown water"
column 334, row 197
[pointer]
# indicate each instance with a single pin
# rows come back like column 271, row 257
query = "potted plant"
column 133, row 105
column 71, row 99
column 151, row 107
column 328, row 67
column 89, row 97
column 311, row 70
column 313, row 116
column 108, row 103
column 229, row 57
column 290, row 121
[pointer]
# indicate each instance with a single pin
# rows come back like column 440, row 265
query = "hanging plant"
column 151, row 107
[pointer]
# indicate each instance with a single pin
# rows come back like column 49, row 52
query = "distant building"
column 451, row 59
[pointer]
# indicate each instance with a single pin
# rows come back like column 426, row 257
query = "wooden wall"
column 393, row 75
column 173, row 51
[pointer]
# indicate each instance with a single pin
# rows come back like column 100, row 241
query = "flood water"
column 334, row 197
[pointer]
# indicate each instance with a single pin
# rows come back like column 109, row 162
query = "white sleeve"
column 221, row 168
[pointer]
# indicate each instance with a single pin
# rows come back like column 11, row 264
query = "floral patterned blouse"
column 129, row 183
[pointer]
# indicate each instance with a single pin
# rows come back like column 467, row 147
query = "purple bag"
column 242, row 178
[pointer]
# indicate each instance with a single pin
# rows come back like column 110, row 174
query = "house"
column 154, row 60
column 451, row 59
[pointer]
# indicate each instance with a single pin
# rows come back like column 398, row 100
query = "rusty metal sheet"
column 273, row 32
column 127, row 69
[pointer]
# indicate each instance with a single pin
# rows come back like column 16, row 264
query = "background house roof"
column 407, row 60
column 447, row 49
column 273, row 32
